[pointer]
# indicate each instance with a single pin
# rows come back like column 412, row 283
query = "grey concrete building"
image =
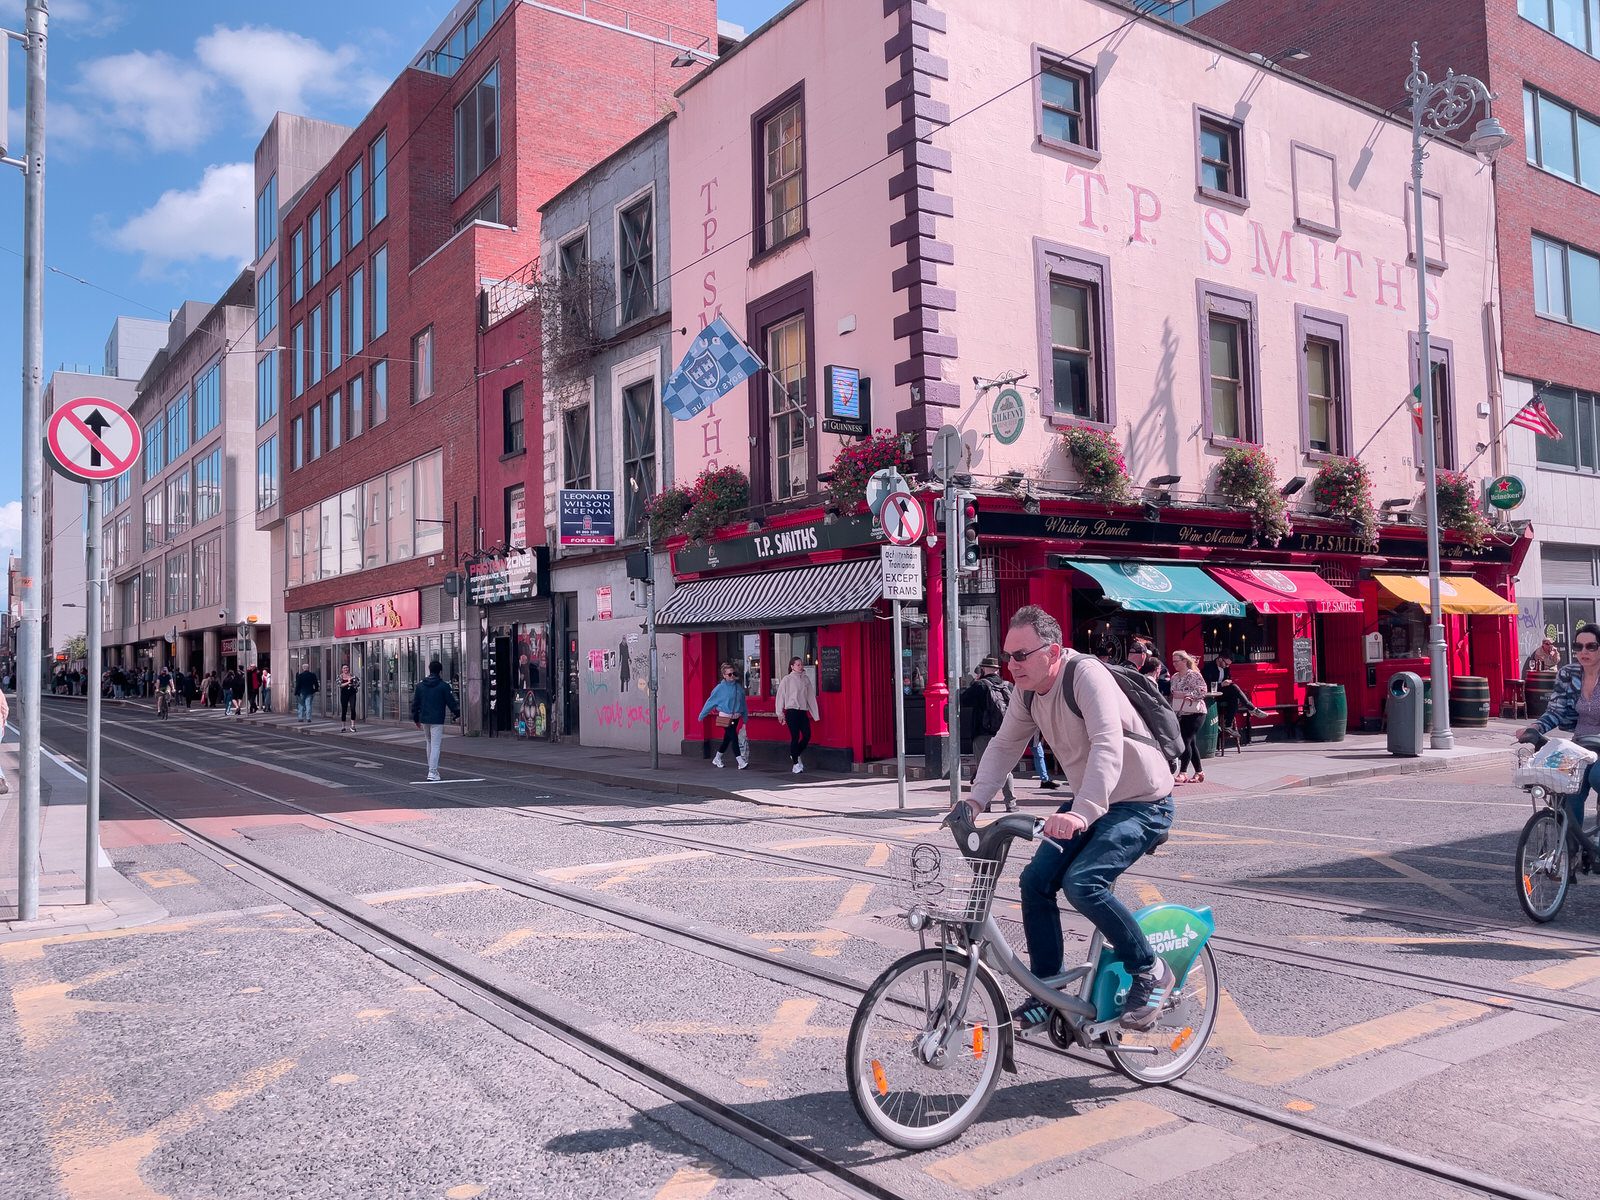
column 189, row 572
column 603, row 429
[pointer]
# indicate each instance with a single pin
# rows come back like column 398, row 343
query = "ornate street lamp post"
column 1438, row 109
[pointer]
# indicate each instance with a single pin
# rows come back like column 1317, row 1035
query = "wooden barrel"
column 1539, row 687
column 1469, row 701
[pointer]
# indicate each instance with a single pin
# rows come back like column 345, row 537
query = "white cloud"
column 212, row 220
column 10, row 531
column 276, row 70
column 155, row 97
column 74, row 18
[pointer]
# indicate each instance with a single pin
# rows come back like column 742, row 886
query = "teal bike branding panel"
column 1176, row 933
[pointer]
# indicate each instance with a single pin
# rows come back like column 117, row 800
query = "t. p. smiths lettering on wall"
column 778, row 543
column 1216, row 537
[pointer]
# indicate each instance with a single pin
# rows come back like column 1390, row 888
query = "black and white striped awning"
column 776, row 599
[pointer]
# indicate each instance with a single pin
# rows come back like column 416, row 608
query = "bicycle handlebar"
column 992, row 840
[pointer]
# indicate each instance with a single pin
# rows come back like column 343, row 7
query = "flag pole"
column 1539, row 391
column 1404, row 401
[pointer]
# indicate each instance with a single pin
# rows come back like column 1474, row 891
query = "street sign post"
column 946, row 452
column 882, row 484
column 902, row 580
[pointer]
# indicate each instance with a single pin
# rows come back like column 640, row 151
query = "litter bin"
column 1205, row 738
column 1326, row 714
column 1404, row 714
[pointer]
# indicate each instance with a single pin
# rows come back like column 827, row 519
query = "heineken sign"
column 1507, row 492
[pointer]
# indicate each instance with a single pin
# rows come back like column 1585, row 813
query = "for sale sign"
column 587, row 518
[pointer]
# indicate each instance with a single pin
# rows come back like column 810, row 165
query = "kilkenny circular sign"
column 1008, row 416
column 92, row 439
column 1507, row 492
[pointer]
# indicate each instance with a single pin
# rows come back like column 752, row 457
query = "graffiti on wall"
column 626, row 672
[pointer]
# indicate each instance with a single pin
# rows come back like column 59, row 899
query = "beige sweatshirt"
column 795, row 691
column 1102, row 767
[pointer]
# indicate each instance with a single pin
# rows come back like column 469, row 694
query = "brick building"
column 384, row 384
column 1539, row 58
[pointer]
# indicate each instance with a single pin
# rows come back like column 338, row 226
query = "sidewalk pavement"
column 1260, row 767
column 63, row 808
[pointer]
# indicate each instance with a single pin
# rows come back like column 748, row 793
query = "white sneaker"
column 716, row 759
column 433, row 777
column 796, row 769
column 742, row 761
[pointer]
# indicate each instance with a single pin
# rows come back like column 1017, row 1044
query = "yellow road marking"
column 342, row 1080
column 428, row 891
column 827, row 941
column 28, row 951
column 998, row 1161
column 517, row 936
column 1147, row 892
column 1564, row 975
column 879, row 856
column 1422, row 877
column 374, row 1014
column 1274, row 1059
column 46, row 1011
column 787, row 1028
column 691, row 1183
column 171, row 877
column 624, row 866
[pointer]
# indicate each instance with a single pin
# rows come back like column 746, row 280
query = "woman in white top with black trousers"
column 797, row 701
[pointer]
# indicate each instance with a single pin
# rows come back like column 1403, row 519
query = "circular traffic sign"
column 92, row 439
column 902, row 519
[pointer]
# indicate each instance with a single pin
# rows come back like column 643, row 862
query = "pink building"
column 1030, row 217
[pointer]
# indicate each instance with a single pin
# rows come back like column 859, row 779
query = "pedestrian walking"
column 797, row 701
column 1039, row 767
column 1189, row 702
column 987, row 698
column 229, row 684
column 266, row 690
column 349, row 685
column 214, row 690
column 728, row 703
column 306, row 686
column 252, row 687
column 5, row 716
column 428, row 704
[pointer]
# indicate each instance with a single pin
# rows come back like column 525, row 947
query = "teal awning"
column 1162, row 588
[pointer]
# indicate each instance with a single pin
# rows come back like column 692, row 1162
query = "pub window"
column 1324, row 375
column 1074, row 341
column 1242, row 639
column 783, row 175
column 788, row 436
column 743, row 650
column 1405, row 630
column 1065, row 96
column 1229, row 366
column 1444, row 426
column 793, row 643
column 1221, row 158
column 511, row 404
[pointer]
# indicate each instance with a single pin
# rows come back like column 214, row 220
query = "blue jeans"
column 1086, row 869
column 1575, row 802
column 303, row 703
column 1038, row 759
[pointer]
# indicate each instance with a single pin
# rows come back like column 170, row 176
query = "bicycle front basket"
column 949, row 886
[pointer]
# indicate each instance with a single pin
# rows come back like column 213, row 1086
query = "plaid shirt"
column 1562, row 712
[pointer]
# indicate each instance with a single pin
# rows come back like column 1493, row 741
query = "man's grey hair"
column 1031, row 616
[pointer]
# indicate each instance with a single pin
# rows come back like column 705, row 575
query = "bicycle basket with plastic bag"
column 1559, row 766
column 948, row 887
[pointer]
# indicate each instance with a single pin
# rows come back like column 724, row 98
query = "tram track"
column 1234, row 943
column 366, row 929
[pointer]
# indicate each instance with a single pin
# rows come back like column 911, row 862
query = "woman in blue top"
column 1575, row 705
column 728, row 698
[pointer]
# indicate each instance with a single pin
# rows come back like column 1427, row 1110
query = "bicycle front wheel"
column 919, row 1073
column 1544, row 866
column 1170, row 1047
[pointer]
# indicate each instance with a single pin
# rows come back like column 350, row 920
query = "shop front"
column 511, row 593
column 386, row 641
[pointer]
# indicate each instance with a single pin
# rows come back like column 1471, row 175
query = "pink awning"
column 1279, row 592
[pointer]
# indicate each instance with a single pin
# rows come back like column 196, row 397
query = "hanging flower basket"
column 717, row 497
column 856, row 463
column 1344, row 488
column 1249, row 478
column 1097, row 457
column 1459, row 511
column 667, row 510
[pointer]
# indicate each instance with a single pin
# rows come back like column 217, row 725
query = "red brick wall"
column 1362, row 47
column 571, row 93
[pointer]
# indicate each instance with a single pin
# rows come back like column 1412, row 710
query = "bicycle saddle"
column 991, row 840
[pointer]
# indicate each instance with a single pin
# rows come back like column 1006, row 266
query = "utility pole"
column 29, row 665
column 952, row 633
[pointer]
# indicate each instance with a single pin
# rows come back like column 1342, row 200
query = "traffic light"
column 966, row 532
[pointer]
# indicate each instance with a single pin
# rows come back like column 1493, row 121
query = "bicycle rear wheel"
column 1170, row 1047
column 915, row 1078
column 1544, row 866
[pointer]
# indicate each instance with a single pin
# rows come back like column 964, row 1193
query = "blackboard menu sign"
column 1302, row 660
column 832, row 669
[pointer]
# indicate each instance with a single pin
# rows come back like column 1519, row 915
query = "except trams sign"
column 902, row 572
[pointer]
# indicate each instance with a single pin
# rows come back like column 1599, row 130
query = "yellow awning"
column 1457, row 594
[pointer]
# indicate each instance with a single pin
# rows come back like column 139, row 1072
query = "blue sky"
column 155, row 109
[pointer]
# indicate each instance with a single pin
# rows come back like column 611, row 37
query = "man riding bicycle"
column 1121, row 807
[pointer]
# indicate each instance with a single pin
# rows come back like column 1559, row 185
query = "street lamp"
column 1438, row 109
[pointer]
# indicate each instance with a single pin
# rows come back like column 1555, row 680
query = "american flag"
column 1536, row 417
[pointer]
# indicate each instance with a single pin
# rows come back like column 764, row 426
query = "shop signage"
column 1507, row 492
column 227, row 646
column 602, row 603
column 1094, row 529
column 832, row 669
column 848, row 402
column 776, row 544
column 384, row 614
column 1303, row 669
column 514, row 575
column 1008, row 416
column 902, row 572
column 588, row 518
column 1374, row 647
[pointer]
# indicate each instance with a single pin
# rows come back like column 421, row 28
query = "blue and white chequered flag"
column 716, row 363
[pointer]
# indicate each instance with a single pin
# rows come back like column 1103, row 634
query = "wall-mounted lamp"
column 1293, row 486
column 1162, row 485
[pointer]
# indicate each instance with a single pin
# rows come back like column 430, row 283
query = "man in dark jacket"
column 428, row 704
column 306, row 685
column 984, row 702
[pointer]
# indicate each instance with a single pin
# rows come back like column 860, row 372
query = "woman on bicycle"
column 1575, row 705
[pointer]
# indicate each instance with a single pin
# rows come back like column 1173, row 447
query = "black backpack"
column 1146, row 699
column 996, row 700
